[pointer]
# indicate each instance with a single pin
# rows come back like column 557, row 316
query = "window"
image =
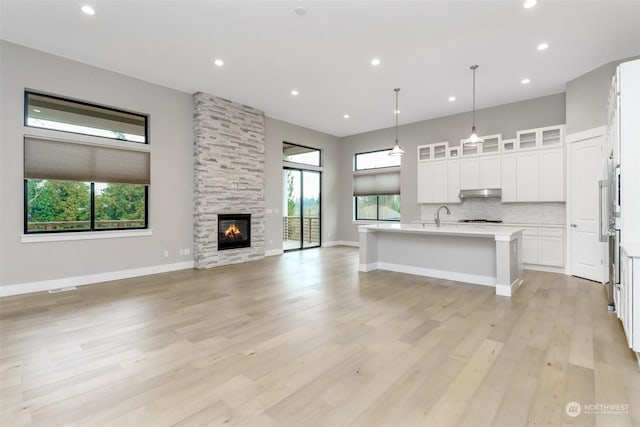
column 50, row 112
column 56, row 205
column 375, row 160
column 378, row 208
column 376, row 186
column 299, row 154
column 84, row 184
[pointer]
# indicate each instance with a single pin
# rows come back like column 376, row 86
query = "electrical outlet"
column 187, row 251
column 166, row 253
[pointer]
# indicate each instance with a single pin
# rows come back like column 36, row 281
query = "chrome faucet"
column 437, row 218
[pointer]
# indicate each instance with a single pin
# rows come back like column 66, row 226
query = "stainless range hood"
column 484, row 193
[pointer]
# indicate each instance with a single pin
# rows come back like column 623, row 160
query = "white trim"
column 429, row 272
column 85, row 235
column 45, row 285
column 585, row 134
column 509, row 290
column 547, row 268
column 340, row 243
column 273, row 252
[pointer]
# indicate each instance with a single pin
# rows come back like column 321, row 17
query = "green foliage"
column 58, row 201
column 50, row 201
column 120, row 201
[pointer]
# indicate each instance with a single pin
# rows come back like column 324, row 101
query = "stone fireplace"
column 234, row 231
column 228, row 178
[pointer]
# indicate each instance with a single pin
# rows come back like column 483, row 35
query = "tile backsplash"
column 514, row 213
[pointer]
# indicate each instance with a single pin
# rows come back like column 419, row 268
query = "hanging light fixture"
column 396, row 150
column 474, row 139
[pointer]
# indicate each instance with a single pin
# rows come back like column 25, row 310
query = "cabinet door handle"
column 574, row 225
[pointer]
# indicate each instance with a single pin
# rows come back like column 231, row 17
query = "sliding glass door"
column 301, row 223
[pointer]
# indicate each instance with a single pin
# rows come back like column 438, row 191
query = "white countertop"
column 491, row 224
column 632, row 249
column 444, row 230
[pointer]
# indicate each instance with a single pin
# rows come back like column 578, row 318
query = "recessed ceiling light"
column 543, row 46
column 294, row 92
column 452, row 98
column 375, row 62
column 35, row 110
column 528, row 4
column 88, row 10
column 525, row 81
column 219, row 62
column 300, row 11
column 346, row 116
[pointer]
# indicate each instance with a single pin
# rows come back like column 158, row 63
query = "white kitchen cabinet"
column 480, row 172
column 530, row 245
column 551, row 136
column 552, row 175
column 527, row 139
column 425, row 152
column 470, row 173
column 551, row 247
column 453, row 181
column 489, row 173
column 509, row 177
column 528, row 181
column 625, row 306
column 440, row 150
column 492, row 144
column 433, row 182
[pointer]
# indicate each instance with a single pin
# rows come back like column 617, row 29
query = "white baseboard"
column 273, row 252
column 45, row 285
column 340, row 243
column 546, row 268
column 438, row 274
column 508, row 290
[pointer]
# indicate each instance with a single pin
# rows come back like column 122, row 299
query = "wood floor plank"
column 304, row 339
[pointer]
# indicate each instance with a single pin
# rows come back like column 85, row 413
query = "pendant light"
column 474, row 139
column 396, row 150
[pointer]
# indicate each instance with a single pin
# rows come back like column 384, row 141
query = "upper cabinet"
column 528, row 168
column 546, row 137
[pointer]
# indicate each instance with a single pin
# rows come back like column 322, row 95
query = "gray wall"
column 587, row 98
column 276, row 132
column 505, row 119
column 170, row 198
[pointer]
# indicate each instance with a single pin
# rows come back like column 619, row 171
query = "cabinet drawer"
column 551, row 232
column 530, row 231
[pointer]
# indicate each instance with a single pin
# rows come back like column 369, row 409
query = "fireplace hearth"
column 234, row 231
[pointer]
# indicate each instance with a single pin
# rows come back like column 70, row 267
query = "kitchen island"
column 490, row 256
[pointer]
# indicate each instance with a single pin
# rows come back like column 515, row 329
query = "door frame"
column 319, row 172
column 598, row 132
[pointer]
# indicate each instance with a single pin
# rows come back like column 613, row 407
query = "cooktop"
column 493, row 221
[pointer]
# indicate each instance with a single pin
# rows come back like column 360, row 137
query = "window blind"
column 52, row 159
column 376, row 184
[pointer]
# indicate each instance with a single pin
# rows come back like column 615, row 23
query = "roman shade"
column 73, row 161
column 378, row 183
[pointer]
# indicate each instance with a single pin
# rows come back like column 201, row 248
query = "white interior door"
column 587, row 252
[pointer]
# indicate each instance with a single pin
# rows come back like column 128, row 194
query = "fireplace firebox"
column 234, row 231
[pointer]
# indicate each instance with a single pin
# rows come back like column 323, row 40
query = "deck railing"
column 292, row 227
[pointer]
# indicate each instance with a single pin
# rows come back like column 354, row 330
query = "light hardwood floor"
column 303, row 339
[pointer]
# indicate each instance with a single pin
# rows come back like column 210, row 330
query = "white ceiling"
column 425, row 47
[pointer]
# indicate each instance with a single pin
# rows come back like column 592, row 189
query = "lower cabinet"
column 628, row 304
column 543, row 246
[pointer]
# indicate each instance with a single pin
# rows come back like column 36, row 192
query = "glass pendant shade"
column 474, row 139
